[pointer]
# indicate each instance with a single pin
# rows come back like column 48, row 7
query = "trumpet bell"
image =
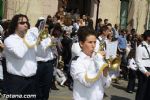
column 43, row 34
column 115, row 63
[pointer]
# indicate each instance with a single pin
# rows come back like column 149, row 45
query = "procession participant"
column 113, row 71
column 85, row 66
column 143, row 62
column 101, row 40
column 21, row 59
column 66, row 55
column 45, row 66
column 132, row 66
column 122, row 45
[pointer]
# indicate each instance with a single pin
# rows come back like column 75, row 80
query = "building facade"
column 127, row 13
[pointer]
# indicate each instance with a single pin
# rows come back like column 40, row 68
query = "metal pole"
column 97, row 13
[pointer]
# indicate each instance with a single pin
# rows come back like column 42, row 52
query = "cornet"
column 43, row 35
column 112, row 63
column 100, row 64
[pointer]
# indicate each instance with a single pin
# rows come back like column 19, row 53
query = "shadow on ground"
column 119, row 87
column 113, row 97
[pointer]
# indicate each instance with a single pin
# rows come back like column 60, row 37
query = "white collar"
column 84, row 56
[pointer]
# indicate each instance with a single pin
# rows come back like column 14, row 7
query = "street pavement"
column 114, row 92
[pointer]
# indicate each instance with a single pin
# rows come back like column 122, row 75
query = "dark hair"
column 5, row 26
column 14, row 22
column 99, row 20
column 84, row 32
column 131, row 54
column 133, row 30
column 48, row 19
column 104, row 28
column 123, row 30
column 146, row 34
column 129, row 37
column 38, row 22
column 105, row 20
column 57, row 31
column 109, row 24
column 67, row 21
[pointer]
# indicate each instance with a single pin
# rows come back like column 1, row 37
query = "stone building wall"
column 109, row 9
column 137, row 15
column 32, row 8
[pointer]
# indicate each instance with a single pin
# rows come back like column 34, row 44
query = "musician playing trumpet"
column 45, row 66
column 21, row 58
column 88, row 70
column 102, row 46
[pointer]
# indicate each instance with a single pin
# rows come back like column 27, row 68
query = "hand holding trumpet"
column 105, row 71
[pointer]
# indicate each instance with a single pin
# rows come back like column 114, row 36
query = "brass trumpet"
column 43, row 34
column 112, row 63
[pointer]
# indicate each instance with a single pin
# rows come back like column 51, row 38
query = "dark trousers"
column 132, row 78
column 18, row 85
column 1, row 85
column 143, row 92
column 44, row 79
column 4, row 74
column 124, row 63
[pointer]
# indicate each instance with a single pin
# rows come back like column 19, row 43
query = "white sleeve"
column 15, row 48
column 97, row 46
column 78, row 73
column 139, row 59
column 106, row 81
column 41, row 50
column 132, row 64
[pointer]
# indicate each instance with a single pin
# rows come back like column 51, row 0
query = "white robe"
column 82, row 89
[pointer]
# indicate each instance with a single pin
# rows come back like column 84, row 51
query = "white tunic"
column 83, row 90
column 49, row 56
column 132, row 64
column 141, row 53
column 20, row 59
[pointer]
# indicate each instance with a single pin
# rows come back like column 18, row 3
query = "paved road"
column 114, row 92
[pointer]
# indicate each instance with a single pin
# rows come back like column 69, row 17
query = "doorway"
column 84, row 6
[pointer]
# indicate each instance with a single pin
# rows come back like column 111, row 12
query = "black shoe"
column 105, row 95
column 130, row 91
column 70, row 88
column 54, row 88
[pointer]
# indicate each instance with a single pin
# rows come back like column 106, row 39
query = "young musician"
column 85, row 63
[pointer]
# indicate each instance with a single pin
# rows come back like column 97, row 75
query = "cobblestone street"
column 114, row 92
